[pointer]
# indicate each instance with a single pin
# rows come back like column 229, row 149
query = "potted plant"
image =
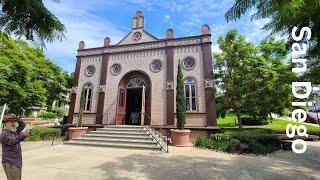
column 75, row 132
column 180, row 136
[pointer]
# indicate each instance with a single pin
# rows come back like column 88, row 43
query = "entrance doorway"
column 133, row 106
column 134, row 100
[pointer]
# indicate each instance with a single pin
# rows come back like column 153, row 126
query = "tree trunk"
column 239, row 120
column 270, row 116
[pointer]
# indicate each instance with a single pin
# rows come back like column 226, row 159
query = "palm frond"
column 239, row 8
column 31, row 19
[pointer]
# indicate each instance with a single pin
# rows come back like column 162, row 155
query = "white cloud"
column 80, row 25
column 216, row 49
column 166, row 18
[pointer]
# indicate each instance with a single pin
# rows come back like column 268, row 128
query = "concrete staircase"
column 121, row 136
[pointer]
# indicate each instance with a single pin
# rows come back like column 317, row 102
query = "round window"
column 136, row 36
column 90, row 70
column 115, row 69
column 156, row 65
column 189, row 63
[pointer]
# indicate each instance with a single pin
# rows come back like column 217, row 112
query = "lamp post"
column 2, row 114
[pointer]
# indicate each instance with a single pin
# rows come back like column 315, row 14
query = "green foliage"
column 43, row 133
column 275, row 126
column 258, row 141
column 81, row 108
column 227, row 121
column 250, row 121
column 221, row 106
column 27, row 77
column 59, row 112
column 31, row 19
column 279, row 126
column 180, row 99
column 283, row 16
column 254, row 79
column 49, row 115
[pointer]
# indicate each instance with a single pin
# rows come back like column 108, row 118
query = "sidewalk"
column 45, row 162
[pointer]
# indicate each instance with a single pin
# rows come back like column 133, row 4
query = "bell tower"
column 138, row 21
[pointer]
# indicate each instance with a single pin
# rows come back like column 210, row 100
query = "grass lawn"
column 257, row 139
column 276, row 126
column 228, row 121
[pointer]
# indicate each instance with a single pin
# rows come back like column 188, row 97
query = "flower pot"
column 180, row 138
column 75, row 132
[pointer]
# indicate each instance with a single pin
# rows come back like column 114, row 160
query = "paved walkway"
column 60, row 162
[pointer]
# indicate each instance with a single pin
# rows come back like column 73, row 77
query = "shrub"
column 251, row 121
column 202, row 141
column 43, row 133
column 49, row 115
column 258, row 141
column 59, row 112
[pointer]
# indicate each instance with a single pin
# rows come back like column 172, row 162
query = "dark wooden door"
column 121, row 107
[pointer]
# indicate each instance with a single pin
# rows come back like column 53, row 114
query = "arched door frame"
column 123, row 86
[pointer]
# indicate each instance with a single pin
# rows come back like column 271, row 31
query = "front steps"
column 121, row 136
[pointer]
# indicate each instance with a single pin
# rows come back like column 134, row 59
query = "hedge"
column 49, row 115
column 43, row 133
column 251, row 121
column 258, row 142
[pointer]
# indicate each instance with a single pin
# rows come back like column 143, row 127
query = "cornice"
column 153, row 45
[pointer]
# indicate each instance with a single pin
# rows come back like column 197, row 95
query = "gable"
column 137, row 36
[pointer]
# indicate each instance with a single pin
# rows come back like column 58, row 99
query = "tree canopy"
column 30, row 19
column 284, row 15
column 253, row 80
column 27, row 78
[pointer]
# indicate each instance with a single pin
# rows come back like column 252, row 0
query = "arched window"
column 190, row 93
column 88, row 96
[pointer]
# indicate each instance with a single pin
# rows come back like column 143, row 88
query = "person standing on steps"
column 13, row 133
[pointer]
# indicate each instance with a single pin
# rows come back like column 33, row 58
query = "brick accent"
column 74, row 95
column 170, row 91
column 103, row 80
column 209, row 90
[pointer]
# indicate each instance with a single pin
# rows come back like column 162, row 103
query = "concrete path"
column 60, row 162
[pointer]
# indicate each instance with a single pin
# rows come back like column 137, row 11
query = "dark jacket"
column 21, row 126
column 11, row 149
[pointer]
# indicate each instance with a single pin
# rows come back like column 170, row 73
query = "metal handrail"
column 166, row 137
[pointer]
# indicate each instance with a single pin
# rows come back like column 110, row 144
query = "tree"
column 31, row 19
column 27, row 78
column 254, row 79
column 180, row 100
column 278, row 89
column 284, row 15
column 81, row 107
column 234, row 66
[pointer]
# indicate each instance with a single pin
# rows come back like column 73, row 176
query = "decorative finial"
column 138, row 13
column 170, row 34
column 81, row 45
column 106, row 42
column 205, row 29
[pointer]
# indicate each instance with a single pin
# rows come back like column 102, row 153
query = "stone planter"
column 180, row 138
column 75, row 132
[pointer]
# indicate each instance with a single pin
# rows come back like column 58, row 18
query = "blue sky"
column 92, row 21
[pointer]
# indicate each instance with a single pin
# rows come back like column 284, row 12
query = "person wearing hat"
column 11, row 150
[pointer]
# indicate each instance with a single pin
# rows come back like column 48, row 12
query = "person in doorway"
column 10, row 140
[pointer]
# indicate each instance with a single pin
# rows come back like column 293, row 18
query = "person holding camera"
column 13, row 133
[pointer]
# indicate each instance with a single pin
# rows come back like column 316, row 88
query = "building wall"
column 95, row 80
column 140, row 61
column 180, row 53
column 135, row 52
column 137, row 61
